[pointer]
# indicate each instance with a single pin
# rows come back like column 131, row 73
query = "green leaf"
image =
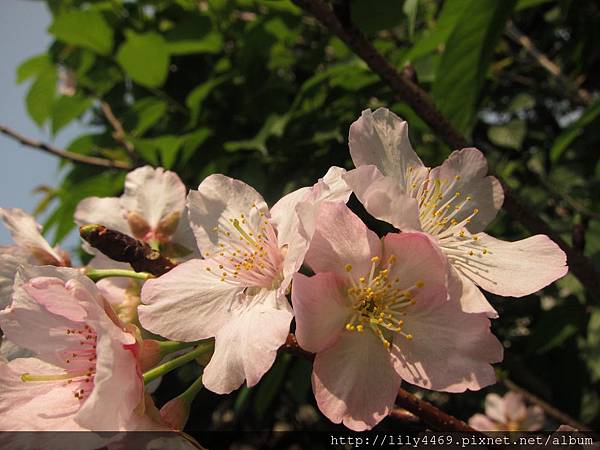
column 270, row 385
column 195, row 98
column 464, row 64
column 194, row 35
column 509, row 135
column 66, row 109
column 144, row 114
column 524, row 4
column 33, row 66
column 191, row 143
column 521, row 102
column 86, row 29
column 40, row 97
column 145, row 58
column 274, row 126
column 375, row 15
column 573, row 131
column 162, row 150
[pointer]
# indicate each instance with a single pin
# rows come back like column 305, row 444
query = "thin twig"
column 409, row 92
column 119, row 134
column 561, row 417
column 580, row 95
column 75, row 157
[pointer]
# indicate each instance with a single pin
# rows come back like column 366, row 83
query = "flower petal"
column 321, row 310
column 515, row 269
column 341, row 238
column 495, row 408
column 153, row 193
column 482, row 422
column 247, row 344
column 381, row 138
column 465, row 173
column 384, row 198
column 10, row 260
column 354, row 381
column 35, row 406
column 106, row 211
column 416, row 259
column 471, row 298
column 218, row 200
column 515, row 408
column 28, row 234
column 534, row 420
column 188, row 303
column 450, row 350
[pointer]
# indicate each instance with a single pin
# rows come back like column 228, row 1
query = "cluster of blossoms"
column 376, row 311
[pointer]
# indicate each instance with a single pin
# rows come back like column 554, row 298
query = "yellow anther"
column 475, row 237
column 386, row 343
column 362, row 279
column 409, row 337
column 485, row 251
column 457, row 194
column 457, row 177
column 348, row 267
column 475, row 211
column 208, row 269
column 392, row 259
column 349, row 327
column 420, row 284
column 375, row 259
column 471, row 253
column 360, row 328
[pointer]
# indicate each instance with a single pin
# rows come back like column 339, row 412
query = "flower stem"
column 177, row 362
column 98, row 274
column 167, row 347
column 190, row 393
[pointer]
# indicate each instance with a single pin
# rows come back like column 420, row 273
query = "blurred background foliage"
column 258, row 90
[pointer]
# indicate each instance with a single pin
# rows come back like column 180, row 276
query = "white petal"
column 381, row 138
column 153, row 193
column 247, row 344
column 102, row 211
column 218, row 200
column 187, row 303
column 515, row 269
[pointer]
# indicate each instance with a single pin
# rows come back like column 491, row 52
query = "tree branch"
column 119, row 134
column 408, row 91
column 74, row 157
column 579, row 95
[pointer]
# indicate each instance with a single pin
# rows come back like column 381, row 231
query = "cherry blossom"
column 237, row 293
column 30, row 248
column 508, row 413
column 152, row 209
column 85, row 375
column 453, row 203
column 377, row 312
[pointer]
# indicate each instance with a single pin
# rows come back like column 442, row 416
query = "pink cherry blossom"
column 377, row 312
column 508, row 413
column 30, row 248
column 237, row 293
column 151, row 209
column 453, row 203
column 85, row 374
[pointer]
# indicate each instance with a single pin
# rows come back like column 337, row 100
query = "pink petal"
column 55, row 297
column 153, row 193
column 218, row 200
column 535, row 419
column 470, row 166
column 247, row 344
column 321, row 310
column 188, row 303
column 341, row 238
column 518, row 268
column 495, row 408
column 35, row 406
column 28, row 234
column 381, row 139
column 384, row 198
column 450, row 350
column 416, row 259
column 514, row 407
column 481, row 422
column 117, row 378
column 354, row 381
column 471, row 298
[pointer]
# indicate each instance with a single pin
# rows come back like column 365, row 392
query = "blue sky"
column 23, row 25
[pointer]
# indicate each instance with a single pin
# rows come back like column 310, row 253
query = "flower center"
column 380, row 303
column 247, row 256
column 80, row 361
